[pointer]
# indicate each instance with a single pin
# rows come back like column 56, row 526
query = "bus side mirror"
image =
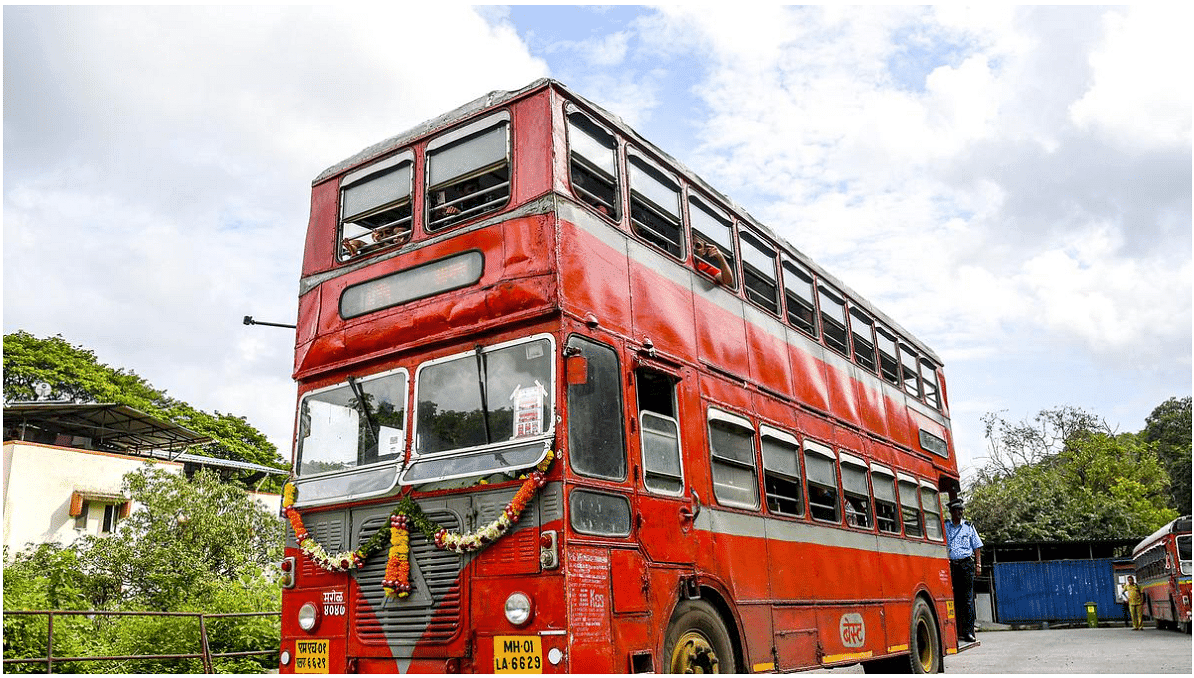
column 577, row 367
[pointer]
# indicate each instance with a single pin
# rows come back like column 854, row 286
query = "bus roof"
column 1178, row 526
column 500, row 97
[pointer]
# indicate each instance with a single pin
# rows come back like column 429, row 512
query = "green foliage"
column 75, row 373
column 193, row 545
column 1168, row 427
column 1066, row 476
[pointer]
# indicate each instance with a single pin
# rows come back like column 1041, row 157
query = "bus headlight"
column 308, row 617
column 518, row 608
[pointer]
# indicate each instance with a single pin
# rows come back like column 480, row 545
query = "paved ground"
column 1078, row 650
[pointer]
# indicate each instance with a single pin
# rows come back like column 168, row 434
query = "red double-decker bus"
column 565, row 407
column 1163, row 572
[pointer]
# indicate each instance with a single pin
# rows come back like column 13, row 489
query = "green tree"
column 75, row 373
column 192, row 545
column 1065, row 475
column 1169, row 428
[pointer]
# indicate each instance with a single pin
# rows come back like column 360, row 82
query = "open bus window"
column 357, row 423
column 928, row 379
column 819, row 464
column 758, row 271
column 655, row 207
column 595, row 431
column 888, row 366
column 593, row 165
column 375, row 208
column 864, row 339
column 833, row 320
column 798, row 290
column 662, row 469
column 468, row 173
column 887, row 514
column 910, row 505
column 781, row 472
column 732, row 448
column 714, row 229
column 929, row 499
column 908, row 371
column 857, row 493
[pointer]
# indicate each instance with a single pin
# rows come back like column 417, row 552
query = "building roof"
column 109, row 426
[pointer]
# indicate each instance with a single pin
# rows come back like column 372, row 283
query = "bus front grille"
column 432, row 612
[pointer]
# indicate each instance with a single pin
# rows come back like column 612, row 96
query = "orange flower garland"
column 397, row 581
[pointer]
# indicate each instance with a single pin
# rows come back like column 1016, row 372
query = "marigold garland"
column 396, row 582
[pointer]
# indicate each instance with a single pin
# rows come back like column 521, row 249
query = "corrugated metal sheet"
column 1054, row 591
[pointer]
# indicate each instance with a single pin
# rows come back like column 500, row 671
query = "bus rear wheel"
column 924, row 641
column 697, row 641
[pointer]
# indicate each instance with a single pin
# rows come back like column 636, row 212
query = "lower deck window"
column 910, row 509
column 857, row 495
column 733, row 453
column 932, row 508
column 887, row 515
column 822, row 486
column 781, row 476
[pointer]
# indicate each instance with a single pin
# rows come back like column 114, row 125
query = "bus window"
column 910, row 504
column 864, row 343
column 375, row 207
column 655, row 207
column 758, row 271
column 1183, row 552
column 662, row 470
column 596, row 442
column 593, row 165
column 713, row 228
column 819, row 464
column 781, row 472
column 468, row 172
column 732, row 448
column 856, row 492
column 888, row 366
column 833, row 320
column 908, row 371
column 928, row 379
column 357, row 423
column 932, row 507
column 886, row 514
column 798, row 291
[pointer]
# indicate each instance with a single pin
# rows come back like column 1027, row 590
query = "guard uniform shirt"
column 963, row 540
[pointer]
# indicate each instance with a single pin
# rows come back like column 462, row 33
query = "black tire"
column 924, row 642
column 697, row 641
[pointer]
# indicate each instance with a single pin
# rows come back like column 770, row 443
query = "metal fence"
column 205, row 654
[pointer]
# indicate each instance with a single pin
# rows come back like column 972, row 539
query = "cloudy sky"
column 1011, row 184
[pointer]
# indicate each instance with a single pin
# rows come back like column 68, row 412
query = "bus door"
column 666, row 506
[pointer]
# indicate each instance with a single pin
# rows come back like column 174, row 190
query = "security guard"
column 965, row 553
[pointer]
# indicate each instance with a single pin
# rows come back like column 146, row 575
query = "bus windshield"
column 353, row 424
column 482, row 412
column 1183, row 552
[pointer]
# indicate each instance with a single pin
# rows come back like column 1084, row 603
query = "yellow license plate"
column 311, row 656
column 949, row 609
column 517, row 654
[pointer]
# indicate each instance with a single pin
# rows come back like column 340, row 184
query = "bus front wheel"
column 697, row 641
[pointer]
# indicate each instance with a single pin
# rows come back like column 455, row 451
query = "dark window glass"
column 758, row 271
column 857, row 495
column 603, row 515
column 911, row 509
column 655, row 207
column 928, row 373
column 595, row 432
column 468, row 177
column 798, row 291
column 593, row 165
column 822, row 485
column 660, row 437
column 908, row 372
column 886, row 512
column 864, row 343
column 833, row 321
column 888, row 366
column 781, row 475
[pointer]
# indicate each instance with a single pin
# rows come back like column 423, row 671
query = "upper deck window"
column 928, row 379
column 732, row 444
column 375, row 207
column 908, row 372
column 798, row 290
column 593, row 165
column 833, row 320
column 758, row 271
column 864, row 339
column 468, row 172
column 655, row 207
column 888, row 366
column 357, row 423
column 710, row 227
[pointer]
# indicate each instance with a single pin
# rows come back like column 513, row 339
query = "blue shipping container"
column 1055, row 590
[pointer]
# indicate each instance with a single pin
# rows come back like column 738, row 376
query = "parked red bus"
column 1163, row 572
column 563, row 407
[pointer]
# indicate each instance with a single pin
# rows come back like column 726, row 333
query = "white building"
column 64, row 465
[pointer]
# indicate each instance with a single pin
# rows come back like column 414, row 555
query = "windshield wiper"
column 371, row 424
column 482, row 378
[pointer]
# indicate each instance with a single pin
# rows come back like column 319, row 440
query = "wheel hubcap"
column 694, row 654
column 924, row 645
